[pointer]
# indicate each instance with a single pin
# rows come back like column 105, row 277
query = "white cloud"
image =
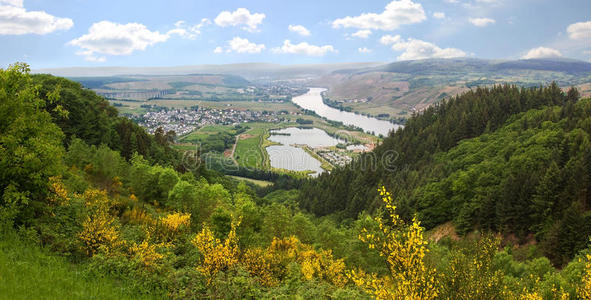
column 389, row 40
column 218, row 49
column 111, row 38
column 579, row 31
column 303, row 48
column 439, row 15
column 116, row 39
column 482, row 22
column 452, row 1
column 417, row 49
column 396, row 13
column 89, row 56
column 363, row 34
column 17, row 3
column 240, row 16
column 189, row 32
column 240, row 45
column 299, row 29
column 16, row 20
column 364, row 50
column 542, row 52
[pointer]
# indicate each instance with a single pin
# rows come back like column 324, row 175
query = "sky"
column 68, row 33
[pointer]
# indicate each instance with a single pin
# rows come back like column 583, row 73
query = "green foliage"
column 92, row 119
column 30, row 272
column 31, row 148
column 505, row 160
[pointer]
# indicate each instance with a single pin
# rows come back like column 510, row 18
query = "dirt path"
column 234, row 149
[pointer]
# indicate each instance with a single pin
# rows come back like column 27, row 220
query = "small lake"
column 292, row 158
column 313, row 101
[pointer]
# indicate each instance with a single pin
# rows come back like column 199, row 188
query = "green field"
column 202, row 133
column 260, row 183
column 29, row 272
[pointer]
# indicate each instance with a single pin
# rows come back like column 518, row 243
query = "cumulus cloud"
column 240, row 16
column 186, row 31
column 482, row 22
column 395, row 14
column 110, row 38
column 218, row 49
column 417, row 49
column 364, row 50
column 542, row 52
column 389, row 40
column 16, row 20
column 303, row 48
column 579, row 31
column 241, row 45
column 299, row 29
column 363, row 34
column 439, row 15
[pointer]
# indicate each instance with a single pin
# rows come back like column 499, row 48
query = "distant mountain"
column 555, row 65
column 408, row 86
column 464, row 65
column 250, row 71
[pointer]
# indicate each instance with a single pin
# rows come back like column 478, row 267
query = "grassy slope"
column 29, row 272
column 261, row 183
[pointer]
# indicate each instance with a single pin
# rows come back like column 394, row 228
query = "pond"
column 288, row 156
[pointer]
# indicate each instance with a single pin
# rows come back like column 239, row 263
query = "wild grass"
column 29, row 272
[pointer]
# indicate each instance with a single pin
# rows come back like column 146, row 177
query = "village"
column 184, row 121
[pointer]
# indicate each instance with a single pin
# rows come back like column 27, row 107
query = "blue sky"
column 64, row 33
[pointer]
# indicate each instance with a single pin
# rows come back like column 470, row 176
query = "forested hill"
column 91, row 118
column 503, row 158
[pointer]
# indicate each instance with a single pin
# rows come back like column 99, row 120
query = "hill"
column 159, row 227
column 505, row 159
column 402, row 88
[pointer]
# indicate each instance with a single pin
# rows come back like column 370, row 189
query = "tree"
column 31, row 147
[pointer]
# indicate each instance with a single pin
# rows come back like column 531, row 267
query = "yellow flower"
column 404, row 248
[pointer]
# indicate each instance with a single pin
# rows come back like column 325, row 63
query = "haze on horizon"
column 181, row 32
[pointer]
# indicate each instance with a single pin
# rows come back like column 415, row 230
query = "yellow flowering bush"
column 472, row 273
column 217, row 256
column 584, row 290
column 59, row 194
column 168, row 228
column 147, row 253
column 404, row 248
column 100, row 229
column 176, row 222
column 270, row 265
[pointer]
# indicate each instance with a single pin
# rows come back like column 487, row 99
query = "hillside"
column 156, row 224
column 504, row 159
column 402, row 88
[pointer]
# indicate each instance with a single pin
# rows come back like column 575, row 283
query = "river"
column 313, row 101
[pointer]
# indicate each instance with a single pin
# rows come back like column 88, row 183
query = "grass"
column 250, row 152
column 30, row 272
column 202, row 133
column 261, row 183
